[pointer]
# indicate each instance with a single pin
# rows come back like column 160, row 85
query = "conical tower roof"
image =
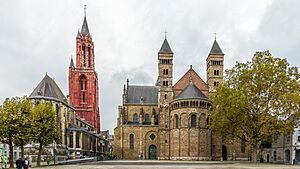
column 85, row 27
column 165, row 48
column 215, row 49
column 71, row 63
column 48, row 89
column 191, row 92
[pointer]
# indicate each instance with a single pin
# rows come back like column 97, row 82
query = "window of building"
column 83, row 86
column 216, row 83
column 176, row 121
column 193, row 120
column 288, row 139
column 275, row 155
column 131, row 141
column 216, row 72
column 135, row 118
column 83, row 55
column 165, row 83
column 147, row 118
column 71, row 140
column 89, row 56
column 77, row 140
column 165, row 71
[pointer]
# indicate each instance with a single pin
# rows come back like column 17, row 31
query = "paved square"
column 172, row 165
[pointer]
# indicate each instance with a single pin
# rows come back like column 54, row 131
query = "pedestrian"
column 19, row 163
column 26, row 163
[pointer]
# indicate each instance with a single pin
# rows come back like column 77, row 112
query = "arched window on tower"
column 135, row 118
column 89, row 56
column 83, row 55
column 83, row 87
column 131, row 141
column 147, row 119
column 176, row 121
column 193, row 120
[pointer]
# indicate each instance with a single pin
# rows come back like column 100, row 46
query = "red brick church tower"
column 83, row 79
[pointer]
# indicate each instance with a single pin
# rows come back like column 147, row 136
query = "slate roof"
column 48, row 89
column 165, row 48
column 191, row 92
column 142, row 94
column 215, row 49
column 85, row 28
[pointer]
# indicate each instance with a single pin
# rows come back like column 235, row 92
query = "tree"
column 258, row 100
column 45, row 127
column 23, row 123
column 14, row 123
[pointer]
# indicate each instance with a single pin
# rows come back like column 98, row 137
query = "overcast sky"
column 39, row 36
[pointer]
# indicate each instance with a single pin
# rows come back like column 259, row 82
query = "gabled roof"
column 165, row 48
column 85, row 28
column 215, row 49
column 184, row 81
column 48, row 89
column 191, row 92
column 142, row 94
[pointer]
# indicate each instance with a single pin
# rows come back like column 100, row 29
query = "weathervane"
column 215, row 35
column 84, row 10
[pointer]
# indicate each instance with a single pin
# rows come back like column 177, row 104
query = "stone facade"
column 285, row 148
column 171, row 122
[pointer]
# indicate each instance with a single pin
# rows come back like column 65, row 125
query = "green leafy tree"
column 23, row 123
column 14, row 123
column 258, row 100
column 45, row 126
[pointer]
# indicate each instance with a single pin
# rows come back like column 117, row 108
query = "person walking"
column 19, row 163
column 26, row 163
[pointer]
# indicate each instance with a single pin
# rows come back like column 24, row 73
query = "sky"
column 39, row 36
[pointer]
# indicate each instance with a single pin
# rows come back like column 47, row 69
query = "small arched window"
column 131, row 141
column 193, row 120
column 89, row 56
column 147, row 118
column 176, row 121
column 83, row 55
column 135, row 118
column 83, row 87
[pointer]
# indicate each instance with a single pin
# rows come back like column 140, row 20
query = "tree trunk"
column 39, row 155
column 11, row 153
column 22, row 149
column 254, row 154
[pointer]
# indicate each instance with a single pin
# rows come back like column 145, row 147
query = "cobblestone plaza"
column 172, row 164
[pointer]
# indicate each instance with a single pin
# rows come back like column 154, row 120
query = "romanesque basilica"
column 170, row 121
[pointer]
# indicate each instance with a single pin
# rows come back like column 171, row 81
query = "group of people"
column 22, row 163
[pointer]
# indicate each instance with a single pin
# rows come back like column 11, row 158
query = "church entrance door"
column 224, row 152
column 152, row 152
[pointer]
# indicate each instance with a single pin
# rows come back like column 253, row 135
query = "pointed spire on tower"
column 165, row 48
column 85, row 28
column 78, row 34
column 215, row 49
column 71, row 63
